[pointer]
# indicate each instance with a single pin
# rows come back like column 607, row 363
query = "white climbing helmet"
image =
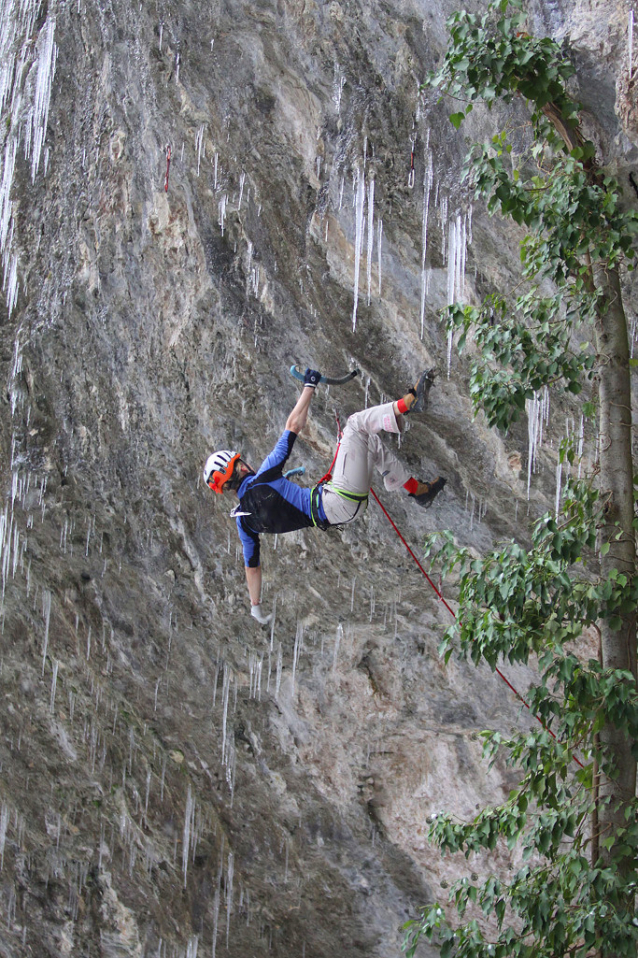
column 219, row 468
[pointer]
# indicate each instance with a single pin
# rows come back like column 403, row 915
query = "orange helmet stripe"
column 217, row 480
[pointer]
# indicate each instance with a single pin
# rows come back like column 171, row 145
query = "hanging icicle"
column 359, row 217
column 427, row 188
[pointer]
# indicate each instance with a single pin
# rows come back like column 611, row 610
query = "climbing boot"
column 416, row 399
column 426, row 492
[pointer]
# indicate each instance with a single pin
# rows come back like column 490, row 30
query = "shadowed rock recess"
column 176, row 781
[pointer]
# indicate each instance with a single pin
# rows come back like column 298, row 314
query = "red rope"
column 328, row 475
column 453, row 614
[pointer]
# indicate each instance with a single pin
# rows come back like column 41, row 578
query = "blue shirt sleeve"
column 274, row 462
column 249, row 543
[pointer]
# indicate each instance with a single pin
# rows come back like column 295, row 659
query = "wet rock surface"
column 174, row 779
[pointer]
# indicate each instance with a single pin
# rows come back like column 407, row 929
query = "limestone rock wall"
column 175, row 781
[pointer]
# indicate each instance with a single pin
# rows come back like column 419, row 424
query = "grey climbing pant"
column 361, row 451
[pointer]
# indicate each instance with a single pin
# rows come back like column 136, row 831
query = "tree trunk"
column 616, row 485
column 618, row 648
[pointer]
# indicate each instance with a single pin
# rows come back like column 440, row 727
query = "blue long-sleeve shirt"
column 272, row 503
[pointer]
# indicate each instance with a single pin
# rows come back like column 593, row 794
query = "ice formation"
column 27, row 69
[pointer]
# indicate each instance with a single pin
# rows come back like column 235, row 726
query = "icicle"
column 27, row 68
column 272, row 623
column 370, row 235
column 251, row 673
column 189, row 817
column 411, row 174
column 258, row 671
column 444, row 226
column 358, row 239
column 451, row 277
column 379, row 240
column 339, row 83
column 54, row 682
column 199, row 143
column 225, row 696
column 46, row 612
column 630, row 43
column 216, row 903
column 279, row 670
column 229, row 893
column 46, row 71
column 532, row 436
column 4, row 823
column 537, row 416
column 11, row 286
column 559, row 475
column 296, row 653
column 427, row 187
column 6, row 205
column 222, row 211
column 335, row 654
column 461, row 255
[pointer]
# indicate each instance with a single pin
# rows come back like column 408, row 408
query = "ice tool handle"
column 298, row 373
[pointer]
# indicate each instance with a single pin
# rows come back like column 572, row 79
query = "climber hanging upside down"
column 268, row 502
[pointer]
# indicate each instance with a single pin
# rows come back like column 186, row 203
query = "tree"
column 575, row 811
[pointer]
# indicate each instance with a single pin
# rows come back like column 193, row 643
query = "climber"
column 270, row 503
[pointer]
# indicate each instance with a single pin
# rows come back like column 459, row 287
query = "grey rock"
column 173, row 781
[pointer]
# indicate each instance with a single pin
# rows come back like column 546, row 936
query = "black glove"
column 311, row 378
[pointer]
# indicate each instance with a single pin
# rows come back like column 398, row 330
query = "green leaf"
column 456, row 119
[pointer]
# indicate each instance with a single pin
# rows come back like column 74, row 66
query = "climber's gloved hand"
column 311, row 378
column 256, row 613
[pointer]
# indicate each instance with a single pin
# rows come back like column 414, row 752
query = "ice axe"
column 298, row 373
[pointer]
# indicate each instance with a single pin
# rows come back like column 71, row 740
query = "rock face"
column 175, row 780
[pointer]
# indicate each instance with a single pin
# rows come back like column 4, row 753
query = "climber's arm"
column 297, row 418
